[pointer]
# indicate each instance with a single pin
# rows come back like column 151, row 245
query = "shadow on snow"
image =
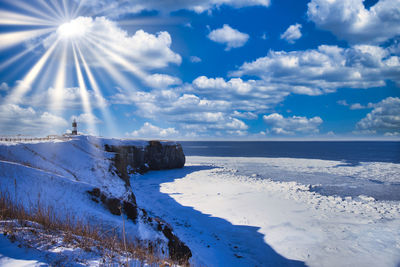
column 215, row 239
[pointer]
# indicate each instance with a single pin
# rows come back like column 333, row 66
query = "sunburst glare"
column 66, row 44
column 75, row 28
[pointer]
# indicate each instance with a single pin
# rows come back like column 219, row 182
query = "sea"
column 360, row 156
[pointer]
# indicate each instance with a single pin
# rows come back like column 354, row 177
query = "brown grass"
column 81, row 234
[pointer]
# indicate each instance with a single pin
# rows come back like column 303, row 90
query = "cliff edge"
column 89, row 178
column 156, row 155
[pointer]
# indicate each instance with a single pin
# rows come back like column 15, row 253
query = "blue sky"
column 201, row 69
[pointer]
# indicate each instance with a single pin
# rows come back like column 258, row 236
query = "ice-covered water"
column 330, row 168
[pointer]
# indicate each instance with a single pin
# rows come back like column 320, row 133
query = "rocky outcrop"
column 129, row 159
column 178, row 251
column 116, row 206
column 140, row 159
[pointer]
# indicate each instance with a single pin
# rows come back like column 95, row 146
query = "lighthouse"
column 74, row 128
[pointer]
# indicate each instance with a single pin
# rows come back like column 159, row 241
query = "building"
column 74, row 128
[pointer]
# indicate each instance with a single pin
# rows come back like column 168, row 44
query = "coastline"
column 229, row 218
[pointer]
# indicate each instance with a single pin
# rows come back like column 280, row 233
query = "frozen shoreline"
column 233, row 219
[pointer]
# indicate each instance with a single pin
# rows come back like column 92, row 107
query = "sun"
column 65, row 45
column 74, row 29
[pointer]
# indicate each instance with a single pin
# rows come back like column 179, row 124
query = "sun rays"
column 60, row 29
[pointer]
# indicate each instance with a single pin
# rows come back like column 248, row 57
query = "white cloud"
column 105, row 45
column 103, row 38
column 116, row 8
column 357, row 106
column 231, row 37
column 86, row 118
column 264, row 36
column 250, row 95
column 149, row 131
column 292, row 33
column 342, row 102
column 4, row 86
column 161, row 80
column 354, row 106
column 236, row 85
column 292, row 125
column 188, row 112
column 195, row 59
column 392, row 134
column 208, row 106
column 204, row 122
column 245, row 115
column 330, row 133
column 15, row 119
column 323, row 70
column 351, row 21
column 236, row 124
column 71, row 99
column 384, row 118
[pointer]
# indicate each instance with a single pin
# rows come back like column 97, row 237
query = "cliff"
column 156, row 155
column 89, row 178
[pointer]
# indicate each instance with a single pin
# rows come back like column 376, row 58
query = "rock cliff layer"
column 137, row 159
column 129, row 159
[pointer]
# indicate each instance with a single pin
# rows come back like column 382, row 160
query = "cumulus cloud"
column 236, row 84
column 209, row 105
column 323, row 70
column 245, row 115
column 392, row 134
column 264, row 36
column 354, row 106
column 195, row 59
column 351, row 21
column 149, row 131
column 292, row 125
column 247, row 95
column 359, row 106
column 116, row 8
column 103, row 38
column 384, row 118
column 71, row 99
column 162, row 80
column 230, row 37
column 4, row 86
column 189, row 112
column 342, row 103
column 292, row 33
column 15, row 119
column 86, row 118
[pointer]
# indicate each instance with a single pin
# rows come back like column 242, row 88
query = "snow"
column 379, row 171
column 229, row 211
column 30, row 245
column 59, row 174
column 231, row 219
column 18, row 256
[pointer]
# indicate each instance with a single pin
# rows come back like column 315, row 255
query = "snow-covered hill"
column 84, row 178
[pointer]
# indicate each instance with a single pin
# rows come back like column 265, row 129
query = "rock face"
column 155, row 156
column 129, row 159
column 116, row 206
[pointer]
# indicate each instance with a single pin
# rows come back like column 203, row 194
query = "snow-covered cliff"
column 88, row 177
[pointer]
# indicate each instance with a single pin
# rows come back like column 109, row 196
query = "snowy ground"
column 58, row 174
column 229, row 211
column 28, row 244
column 231, row 219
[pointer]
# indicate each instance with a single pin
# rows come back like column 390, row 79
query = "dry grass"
column 78, row 233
